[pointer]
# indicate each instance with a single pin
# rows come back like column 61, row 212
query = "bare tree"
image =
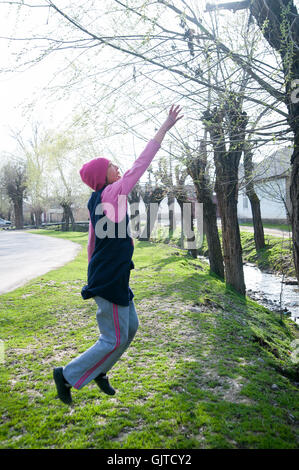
column 6, row 207
column 14, row 183
column 33, row 152
column 63, row 150
column 278, row 20
column 259, row 238
column 228, row 120
column 196, row 164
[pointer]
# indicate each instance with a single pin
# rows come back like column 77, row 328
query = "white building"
column 272, row 186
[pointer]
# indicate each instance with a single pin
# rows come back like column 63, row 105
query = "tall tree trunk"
column 204, row 195
column 65, row 221
column 38, row 216
column 294, row 193
column 231, row 241
column 72, row 218
column 293, row 107
column 213, row 241
column 67, row 217
column 165, row 175
column 181, row 204
column 259, row 238
column 14, row 179
column 191, row 238
column 135, row 219
column 18, row 211
column 196, row 167
column 187, row 226
column 151, row 209
column 226, row 165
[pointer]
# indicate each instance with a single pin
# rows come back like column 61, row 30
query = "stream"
column 268, row 290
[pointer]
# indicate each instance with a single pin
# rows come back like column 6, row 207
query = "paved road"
column 24, row 256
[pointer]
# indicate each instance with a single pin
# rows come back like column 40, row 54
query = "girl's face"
column 113, row 173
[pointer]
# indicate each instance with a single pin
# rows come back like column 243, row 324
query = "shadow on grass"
column 224, row 377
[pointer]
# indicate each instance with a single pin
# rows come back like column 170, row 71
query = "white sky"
column 21, row 93
column 18, row 89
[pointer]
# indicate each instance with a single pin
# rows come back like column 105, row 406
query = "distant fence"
column 78, row 226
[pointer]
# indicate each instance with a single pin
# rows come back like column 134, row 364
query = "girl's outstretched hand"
column 173, row 117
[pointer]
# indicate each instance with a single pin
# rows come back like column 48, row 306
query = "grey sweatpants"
column 118, row 326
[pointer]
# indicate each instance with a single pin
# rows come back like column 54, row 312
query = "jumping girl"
column 109, row 263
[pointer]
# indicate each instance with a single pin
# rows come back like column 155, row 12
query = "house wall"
column 272, row 207
column 81, row 214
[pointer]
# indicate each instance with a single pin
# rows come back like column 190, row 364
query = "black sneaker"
column 63, row 387
column 103, row 383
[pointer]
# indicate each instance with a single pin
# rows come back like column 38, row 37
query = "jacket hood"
column 94, row 173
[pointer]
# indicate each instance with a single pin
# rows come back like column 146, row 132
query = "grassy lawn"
column 207, row 369
column 277, row 256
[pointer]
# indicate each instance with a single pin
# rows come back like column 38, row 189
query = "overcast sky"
column 18, row 90
column 23, row 100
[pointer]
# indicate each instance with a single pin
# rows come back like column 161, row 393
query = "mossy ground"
column 276, row 257
column 207, row 369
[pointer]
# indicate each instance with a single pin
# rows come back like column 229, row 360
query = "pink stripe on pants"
column 117, row 334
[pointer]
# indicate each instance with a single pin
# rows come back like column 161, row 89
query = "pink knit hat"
column 94, row 173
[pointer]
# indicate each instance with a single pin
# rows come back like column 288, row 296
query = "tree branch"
column 234, row 56
column 278, row 95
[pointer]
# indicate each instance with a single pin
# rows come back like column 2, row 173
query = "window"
column 245, row 201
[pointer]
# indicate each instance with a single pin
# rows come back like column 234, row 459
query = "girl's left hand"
column 173, row 117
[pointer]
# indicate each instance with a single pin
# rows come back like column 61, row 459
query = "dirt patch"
column 126, row 431
column 186, row 336
column 226, row 387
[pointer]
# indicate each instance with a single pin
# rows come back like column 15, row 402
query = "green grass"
column 276, row 257
column 199, row 373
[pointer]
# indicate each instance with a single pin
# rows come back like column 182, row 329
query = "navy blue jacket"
column 111, row 262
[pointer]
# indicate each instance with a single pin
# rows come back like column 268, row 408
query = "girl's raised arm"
column 125, row 184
